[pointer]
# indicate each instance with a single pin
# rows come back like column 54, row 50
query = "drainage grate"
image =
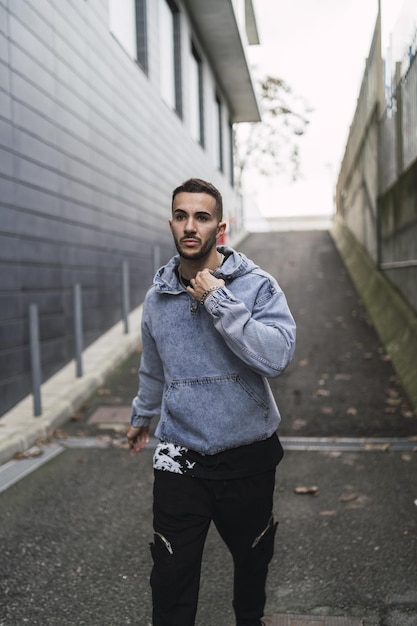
column 310, row 620
column 345, row 444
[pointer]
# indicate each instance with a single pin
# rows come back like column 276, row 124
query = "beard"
column 203, row 251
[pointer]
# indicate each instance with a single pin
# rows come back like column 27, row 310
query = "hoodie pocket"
column 204, row 413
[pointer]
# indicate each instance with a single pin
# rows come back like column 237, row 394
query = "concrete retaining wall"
column 394, row 320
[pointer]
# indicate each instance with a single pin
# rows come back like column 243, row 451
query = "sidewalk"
column 346, row 489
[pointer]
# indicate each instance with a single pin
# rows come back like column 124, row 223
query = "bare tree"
column 272, row 145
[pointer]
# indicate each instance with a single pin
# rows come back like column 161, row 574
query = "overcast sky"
column 319, row 47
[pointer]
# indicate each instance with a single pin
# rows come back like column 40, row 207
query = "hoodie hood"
column 235, row 265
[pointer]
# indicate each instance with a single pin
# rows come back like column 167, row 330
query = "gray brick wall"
column 89, row 155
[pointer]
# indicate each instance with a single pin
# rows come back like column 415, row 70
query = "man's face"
column 194, row 224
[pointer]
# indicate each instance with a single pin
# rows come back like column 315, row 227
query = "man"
column 214, row 327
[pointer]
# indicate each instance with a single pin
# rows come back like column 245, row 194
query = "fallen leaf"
column 407, row 457
column 381, row 447
column 60, row 434
column 328, row 513
column 103, row 392
column 104, row 438
column 327, row 410
column 303, row 362
column 348, row 497
column 393, row 401
column 117, row 443
column 311, row 490
column 359, row 502
column 28, row 454
column 351, row 411
column 322, row 393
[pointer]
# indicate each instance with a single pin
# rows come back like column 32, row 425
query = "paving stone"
column 107, row 415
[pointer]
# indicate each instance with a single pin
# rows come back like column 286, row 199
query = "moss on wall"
column 394, row 320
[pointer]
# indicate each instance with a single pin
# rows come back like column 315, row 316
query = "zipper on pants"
column 263, row 533
column 165, row 542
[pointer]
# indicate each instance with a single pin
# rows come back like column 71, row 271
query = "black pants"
column 184, row 507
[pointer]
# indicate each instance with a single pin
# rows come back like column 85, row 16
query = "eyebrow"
column 179, row 210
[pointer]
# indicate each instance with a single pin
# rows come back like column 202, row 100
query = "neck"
column 189, row 267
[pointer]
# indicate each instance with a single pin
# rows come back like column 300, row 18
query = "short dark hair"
column 197, row 185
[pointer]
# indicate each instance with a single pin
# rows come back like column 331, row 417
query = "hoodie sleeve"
column 264, row 337
column 147, row 403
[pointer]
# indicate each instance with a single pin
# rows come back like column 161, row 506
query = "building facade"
column 105, row 107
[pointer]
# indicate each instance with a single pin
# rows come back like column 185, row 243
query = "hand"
column 137, row 438
column 203, row 280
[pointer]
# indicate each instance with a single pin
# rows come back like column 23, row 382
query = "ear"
column 221, row 229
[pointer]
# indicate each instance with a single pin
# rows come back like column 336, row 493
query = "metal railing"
column 35, row 335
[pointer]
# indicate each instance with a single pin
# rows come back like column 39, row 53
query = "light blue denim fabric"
column 204, row 368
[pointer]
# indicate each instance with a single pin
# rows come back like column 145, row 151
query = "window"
column 170, row 54
column 127, row 20
column 196, row 96
column 231, row 155
column 141, row 35
column 218, row 134
column 122, row 18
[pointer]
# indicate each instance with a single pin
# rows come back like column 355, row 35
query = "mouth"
column 190, row 242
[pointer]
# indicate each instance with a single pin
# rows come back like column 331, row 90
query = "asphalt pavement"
column 75, row 532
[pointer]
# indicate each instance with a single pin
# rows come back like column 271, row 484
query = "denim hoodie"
column 204, row 368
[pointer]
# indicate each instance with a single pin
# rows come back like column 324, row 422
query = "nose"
column 189, row 226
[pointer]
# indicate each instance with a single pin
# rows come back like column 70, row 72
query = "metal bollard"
column 125, row 295
column 78, row 330
column 156, row 259
column 35, row 359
